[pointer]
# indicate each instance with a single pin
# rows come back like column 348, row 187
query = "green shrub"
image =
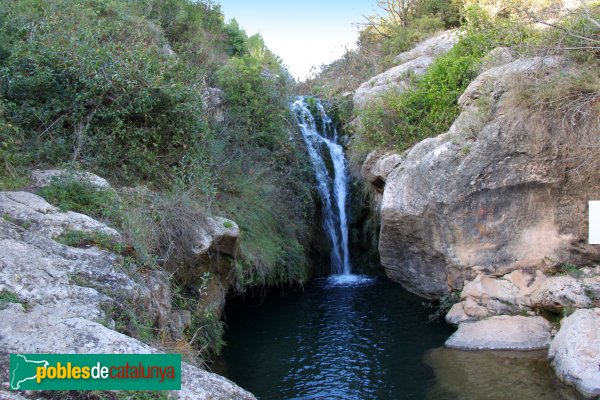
column 430, row 105
column 254, row 97
column 7, row 297
column 82, row 239
column 569, row 269
column 12, row 159
column 93, row 86
column 443, row 306
column 70, row 193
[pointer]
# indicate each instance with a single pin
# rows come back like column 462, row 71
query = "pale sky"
column 304, row 33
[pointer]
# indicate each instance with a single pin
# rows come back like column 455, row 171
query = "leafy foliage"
column 428, row 108
column 86, row 86
column 73, row 194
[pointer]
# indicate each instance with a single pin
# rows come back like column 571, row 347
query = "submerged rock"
column 575, row 350
column 502, row 333
column 497, row 375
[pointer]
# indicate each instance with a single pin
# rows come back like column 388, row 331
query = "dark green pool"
column 366, row 339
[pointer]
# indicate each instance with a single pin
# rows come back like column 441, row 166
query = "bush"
column 70, row 193
column 93, row 86
column 430, row 105
column 254, row 97
column 161, row 229
column 12, row 159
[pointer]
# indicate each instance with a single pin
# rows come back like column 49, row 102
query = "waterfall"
column 329, row 165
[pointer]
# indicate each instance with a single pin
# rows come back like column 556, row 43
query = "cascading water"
column 329, row 164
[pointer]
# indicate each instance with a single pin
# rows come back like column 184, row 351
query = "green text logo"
column 95, row 371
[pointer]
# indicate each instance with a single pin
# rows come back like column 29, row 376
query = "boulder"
column 378, row 166
column 410, row 63
column 502, row 333
column 42, row 178
column 490, row 196
column 505, row 295
column 560, row 292
column 457, row 314
column 575, row 350
column 521, row 291
column 217, row 234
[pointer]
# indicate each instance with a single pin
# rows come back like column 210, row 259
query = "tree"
column 397, row 13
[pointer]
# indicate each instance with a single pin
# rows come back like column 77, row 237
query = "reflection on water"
column 368, row 340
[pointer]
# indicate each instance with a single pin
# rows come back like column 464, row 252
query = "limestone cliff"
column 491, row 195
column 68, row 300
column 492, row 208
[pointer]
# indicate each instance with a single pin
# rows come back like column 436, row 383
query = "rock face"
column 214, row 104
column 413, row 62
column 502, row 333
column 490, row 196
column 575, row 349
column 69, row 297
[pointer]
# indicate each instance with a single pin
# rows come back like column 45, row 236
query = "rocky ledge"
column 66, row 298
column 409, row 64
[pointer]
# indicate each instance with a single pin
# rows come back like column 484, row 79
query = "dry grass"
column 162, row 228
column 567, row 102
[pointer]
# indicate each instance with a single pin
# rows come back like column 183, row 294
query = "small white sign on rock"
column 594, row 224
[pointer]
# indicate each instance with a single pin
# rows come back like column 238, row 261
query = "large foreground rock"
column 69, row 297
column 490, row 196
column 502, row 333
column 575, row 351
column 410, row 63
